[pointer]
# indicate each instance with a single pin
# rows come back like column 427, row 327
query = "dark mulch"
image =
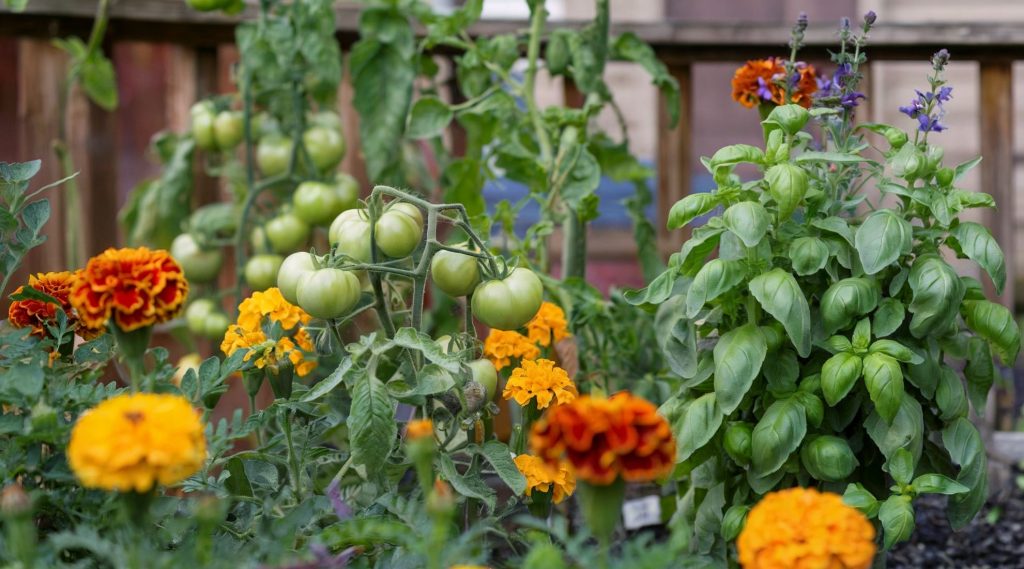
column 994, row 540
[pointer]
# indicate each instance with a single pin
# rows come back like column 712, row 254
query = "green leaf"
column 732, row 523
column 35, row 215
column 13, row 172
column 949, row 395
column 330, row 382
column 787, row 183
column 838, row 376
column 713, row 279
column 778, row 433
column 961, row 169
column 23, row 379
column 856, row 496
column 691, row 207
column 938, row 293
column 881, row 239
column 979, row 372
column 470, row 484
column 428, row 118
column 830, row 157
column 697, row 248
column 938, row 484
column 430, row 380
column 836, row 225
column 99, row 81
column 730, row 156
column 739, row 354
column 846, row 300
column 790, row 118
column 780, row 295
column 382, row 77
column 901, row 466
column 888, row 318
column 884, row 380
column 996, row 325
column 237, row 482
column 748, row 221
column 371, row 424
column 895, row 350
column 897, row 518
column 966, row 450
column 415, row 340
column 696, row 425
column 677, row 337
column 861, row 334
column 500, row 457
column 808, row 255
column 629, row 47
column 463, row 181
column 905, row 431
column 16, row 5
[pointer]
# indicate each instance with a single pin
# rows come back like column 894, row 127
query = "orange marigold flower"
column 502, row 346
column 762, row 80
column 257, row 316
column 806, row 85
column 540, row 476
column 801, row 527
column 419, row 429
column 603, row 439
column 135, row 287
column 36, row 314
column 548, row 324
column 136, row 441
column 542, row 381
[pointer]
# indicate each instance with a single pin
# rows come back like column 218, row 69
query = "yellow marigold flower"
column 542, row 381
column 133, row 442
column 135, row 287
column 547, row 324
column 542, row 477
column 502, row 346
column 801, row 527
column 419, row 429
column 257, row 315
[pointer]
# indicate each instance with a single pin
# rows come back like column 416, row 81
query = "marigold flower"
column 419, row 429
column 801, row 527
column 606, row 438
column 761, row 80
column 133, row 442
column 559, row 480
column 547, row 324
column 36, row 314
column 542, row 381
column 502, row 346
column 257, row 316
column 135, row 287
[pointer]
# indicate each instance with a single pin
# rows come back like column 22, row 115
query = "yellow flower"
column 547, row 324
column 419, row 429
column 541, row 477
column 501, row 347
column 542, row 381
column 801, row 527
column 133, row 442
column 259, row 313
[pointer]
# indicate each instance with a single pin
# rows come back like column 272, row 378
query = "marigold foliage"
column 501, row 347
column 548, row 326
column 37, row 314
column 803, row 528
column 761, row 80
column 541, row 381
column 257, row 316
column 541, row 477
column 603, row 439
column 134, row 442
column 135, row 287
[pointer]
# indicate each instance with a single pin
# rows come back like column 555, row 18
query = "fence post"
column 675, row 158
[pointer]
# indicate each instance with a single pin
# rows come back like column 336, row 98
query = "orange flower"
column 541, row 381
column 419, row 429
column 256, row 318
column 544, row 478
column 806, row 86
column 135, row 287
column 37, row 314
column 801, row 527
column 547, row 324
column 501, row 347
column 606, row 438
column 762, row 80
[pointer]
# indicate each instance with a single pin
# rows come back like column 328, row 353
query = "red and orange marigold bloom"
column 136, row 287
column 36, row 314
column 763, row 80
column 801, row 527
column 603, row 439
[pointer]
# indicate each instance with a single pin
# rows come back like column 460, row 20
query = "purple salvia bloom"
column 341, row 509
column 852, row 99
column 944, row 94
column 870, row 18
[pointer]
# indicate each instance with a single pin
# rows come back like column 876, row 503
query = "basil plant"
column 829, row 342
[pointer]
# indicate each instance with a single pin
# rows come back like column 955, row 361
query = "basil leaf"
column 780, row 295
column 738, row 358
column 884, row 380
column 748, row 221
column 938, row 293
column 881, row 239
column 975, row 241
column 776, row 436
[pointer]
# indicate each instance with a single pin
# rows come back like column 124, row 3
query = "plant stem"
column 532, row 53
column 293, row 462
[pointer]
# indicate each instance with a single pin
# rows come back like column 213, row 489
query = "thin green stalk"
column 532, row 53
column 293, row 461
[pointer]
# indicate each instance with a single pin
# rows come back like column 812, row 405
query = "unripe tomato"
column 328, row 293
column 509, row 303
column 273, row 154
column 326, row 147
column 216, row 325
column 203, row 125
column 261, row 271
column 317, row 203
column 485, row 374
column 197, row 312
column 326, row 119
column 294, row 267
column 399, row 229
column 347, row 189
column 258, row 240
column 455, row 274
column 229, row 129
column 200, row 266
column 286, row 233
column 350, row 231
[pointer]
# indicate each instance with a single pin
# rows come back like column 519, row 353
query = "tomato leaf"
column 371, row 424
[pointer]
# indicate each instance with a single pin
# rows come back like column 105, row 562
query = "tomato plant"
column 399, row 229
column 200, row 266
column 318, row 203
column 292, row 270
column 286, row 233
column 328, row 293
column 273, row 154
column 508, row 303
column 325, row 145
column 228, row 130
column 261, row 271
column 454, row 273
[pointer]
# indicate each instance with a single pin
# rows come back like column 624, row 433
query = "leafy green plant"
column 830, row 342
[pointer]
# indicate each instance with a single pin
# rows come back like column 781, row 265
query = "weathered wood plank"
column 675, row 159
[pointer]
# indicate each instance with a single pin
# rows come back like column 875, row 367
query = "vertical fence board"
column 675, row 150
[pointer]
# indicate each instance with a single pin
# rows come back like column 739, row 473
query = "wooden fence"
column 201, row 46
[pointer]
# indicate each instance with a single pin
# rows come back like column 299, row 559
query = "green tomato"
column 509, row 303
column 216, row 325
column 261, row 271
column 455, row 274
column 294, row 267
column 203, row 129
column 328, row 293
column 258, row 240
column 273, row 154
column 286, row 233
column 485, row 374
column 326, row 119
column 229, row 129
column 350, row 232
column 326, row 147
column 200, row 266
column 197, row 312
column 347, row 188
column 399, row 230
column 317, row 203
